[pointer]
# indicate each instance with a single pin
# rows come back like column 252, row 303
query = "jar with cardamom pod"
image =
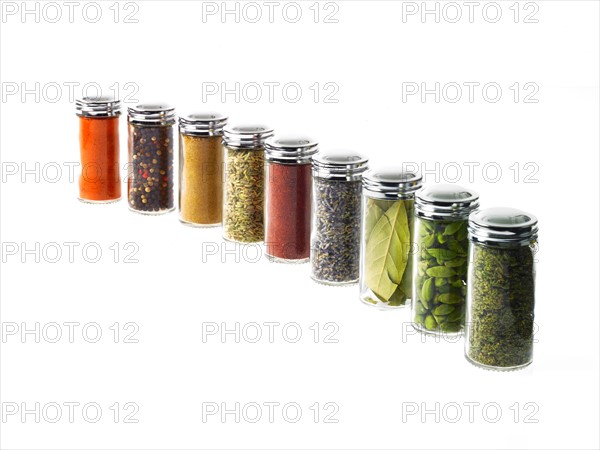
column 100, row 179
column 201, row 169
column 441, row 258
column 243, row 204
column 501, row 294
column 387, row 237
column 151, row 180
column 337, row 216
column 288, row 198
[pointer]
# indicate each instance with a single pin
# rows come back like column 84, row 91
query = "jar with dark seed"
column 441, row 258
column 388, row 237
column 243, row 202
column 337, row 215
column 151, row 180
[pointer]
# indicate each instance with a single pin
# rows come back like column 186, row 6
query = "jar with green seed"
column 243, row 199
column 441, row 258
column 501, row 297
column 387, row 237
column 151, row 180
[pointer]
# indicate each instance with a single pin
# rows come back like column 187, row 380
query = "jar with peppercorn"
column 150, row 184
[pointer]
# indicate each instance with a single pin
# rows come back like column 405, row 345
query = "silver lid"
column 391, row 183
column 290, row 150
column 202, row 124
column 151, row 114
column 340, row 165
column 103, row 106
column 502, row 227
column 246, row 136
column 446, row 201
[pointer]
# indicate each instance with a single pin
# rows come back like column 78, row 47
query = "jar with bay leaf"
column 441, row 258
column 387, row 237
column 201, row 169
column 243, row 203
column 335, row 241
column 501, row 297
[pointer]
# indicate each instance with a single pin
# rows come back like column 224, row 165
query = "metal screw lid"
column 246, row 136
column 202, row 124
column 391, row 183
column 446, row 201
column 340, row 165
column 503, row 227
column 103, row 106
column 151, row 114
column 290, row 150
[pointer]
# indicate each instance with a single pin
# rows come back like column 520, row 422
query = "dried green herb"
column 335, row 248
column 243, row 217
column 441, row 281
column 388, row 243
column 501, row 307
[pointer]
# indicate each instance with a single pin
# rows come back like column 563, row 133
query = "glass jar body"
column 151, row 184
column 288, row 211
column 243, row 204
column 100, row 178
column 440, row 285
column 200, row 180
column 386, row 252
column 500, row 306
column 336, row 225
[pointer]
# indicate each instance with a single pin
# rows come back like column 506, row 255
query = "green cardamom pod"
column 428, row 289
column 452, row 228
column 439, row 282
column 442, row 254
column 430, row 323
column 443, row 310
column 455, row 262
column 450, row 298
column 441, row 272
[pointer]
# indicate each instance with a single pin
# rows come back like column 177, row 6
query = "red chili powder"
column 99, row 144
column 287, row 230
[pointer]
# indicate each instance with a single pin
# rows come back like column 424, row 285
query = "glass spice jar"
column 201, row 169
column 441, row 257
column 288, row 198
column 100, row 179
column 501, row 293
column 387, row 237
column 243, row 204
column 151, row 184
column 337, row 215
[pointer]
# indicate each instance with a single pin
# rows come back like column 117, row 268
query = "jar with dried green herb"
column 201, row 169
column 441, row 258
column 387, row 237
column 501, row 299
column 335, row 241
column 150, row 183
column 243, row 205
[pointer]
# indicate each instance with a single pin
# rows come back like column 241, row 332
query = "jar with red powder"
column 288, row 198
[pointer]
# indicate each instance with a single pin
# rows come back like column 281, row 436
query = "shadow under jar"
column 243, row 203
column 288, row 198
column 201, row 169
column 151, row 183
column 100, row 179
column 441, row 258
column 337, row 215
column 501, row 294
column 387, row 237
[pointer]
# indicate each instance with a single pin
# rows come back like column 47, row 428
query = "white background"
column 371, row 374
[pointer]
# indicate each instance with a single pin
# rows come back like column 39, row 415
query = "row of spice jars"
column 415, row 242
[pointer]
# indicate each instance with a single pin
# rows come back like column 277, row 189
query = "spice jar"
column 201, row 169
column 100, row 179
column 150, row 183
column 441, row 257
column 288, row 198
column 243, row 205
column 335, row 245
column 387, row 237
column 501, row 294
